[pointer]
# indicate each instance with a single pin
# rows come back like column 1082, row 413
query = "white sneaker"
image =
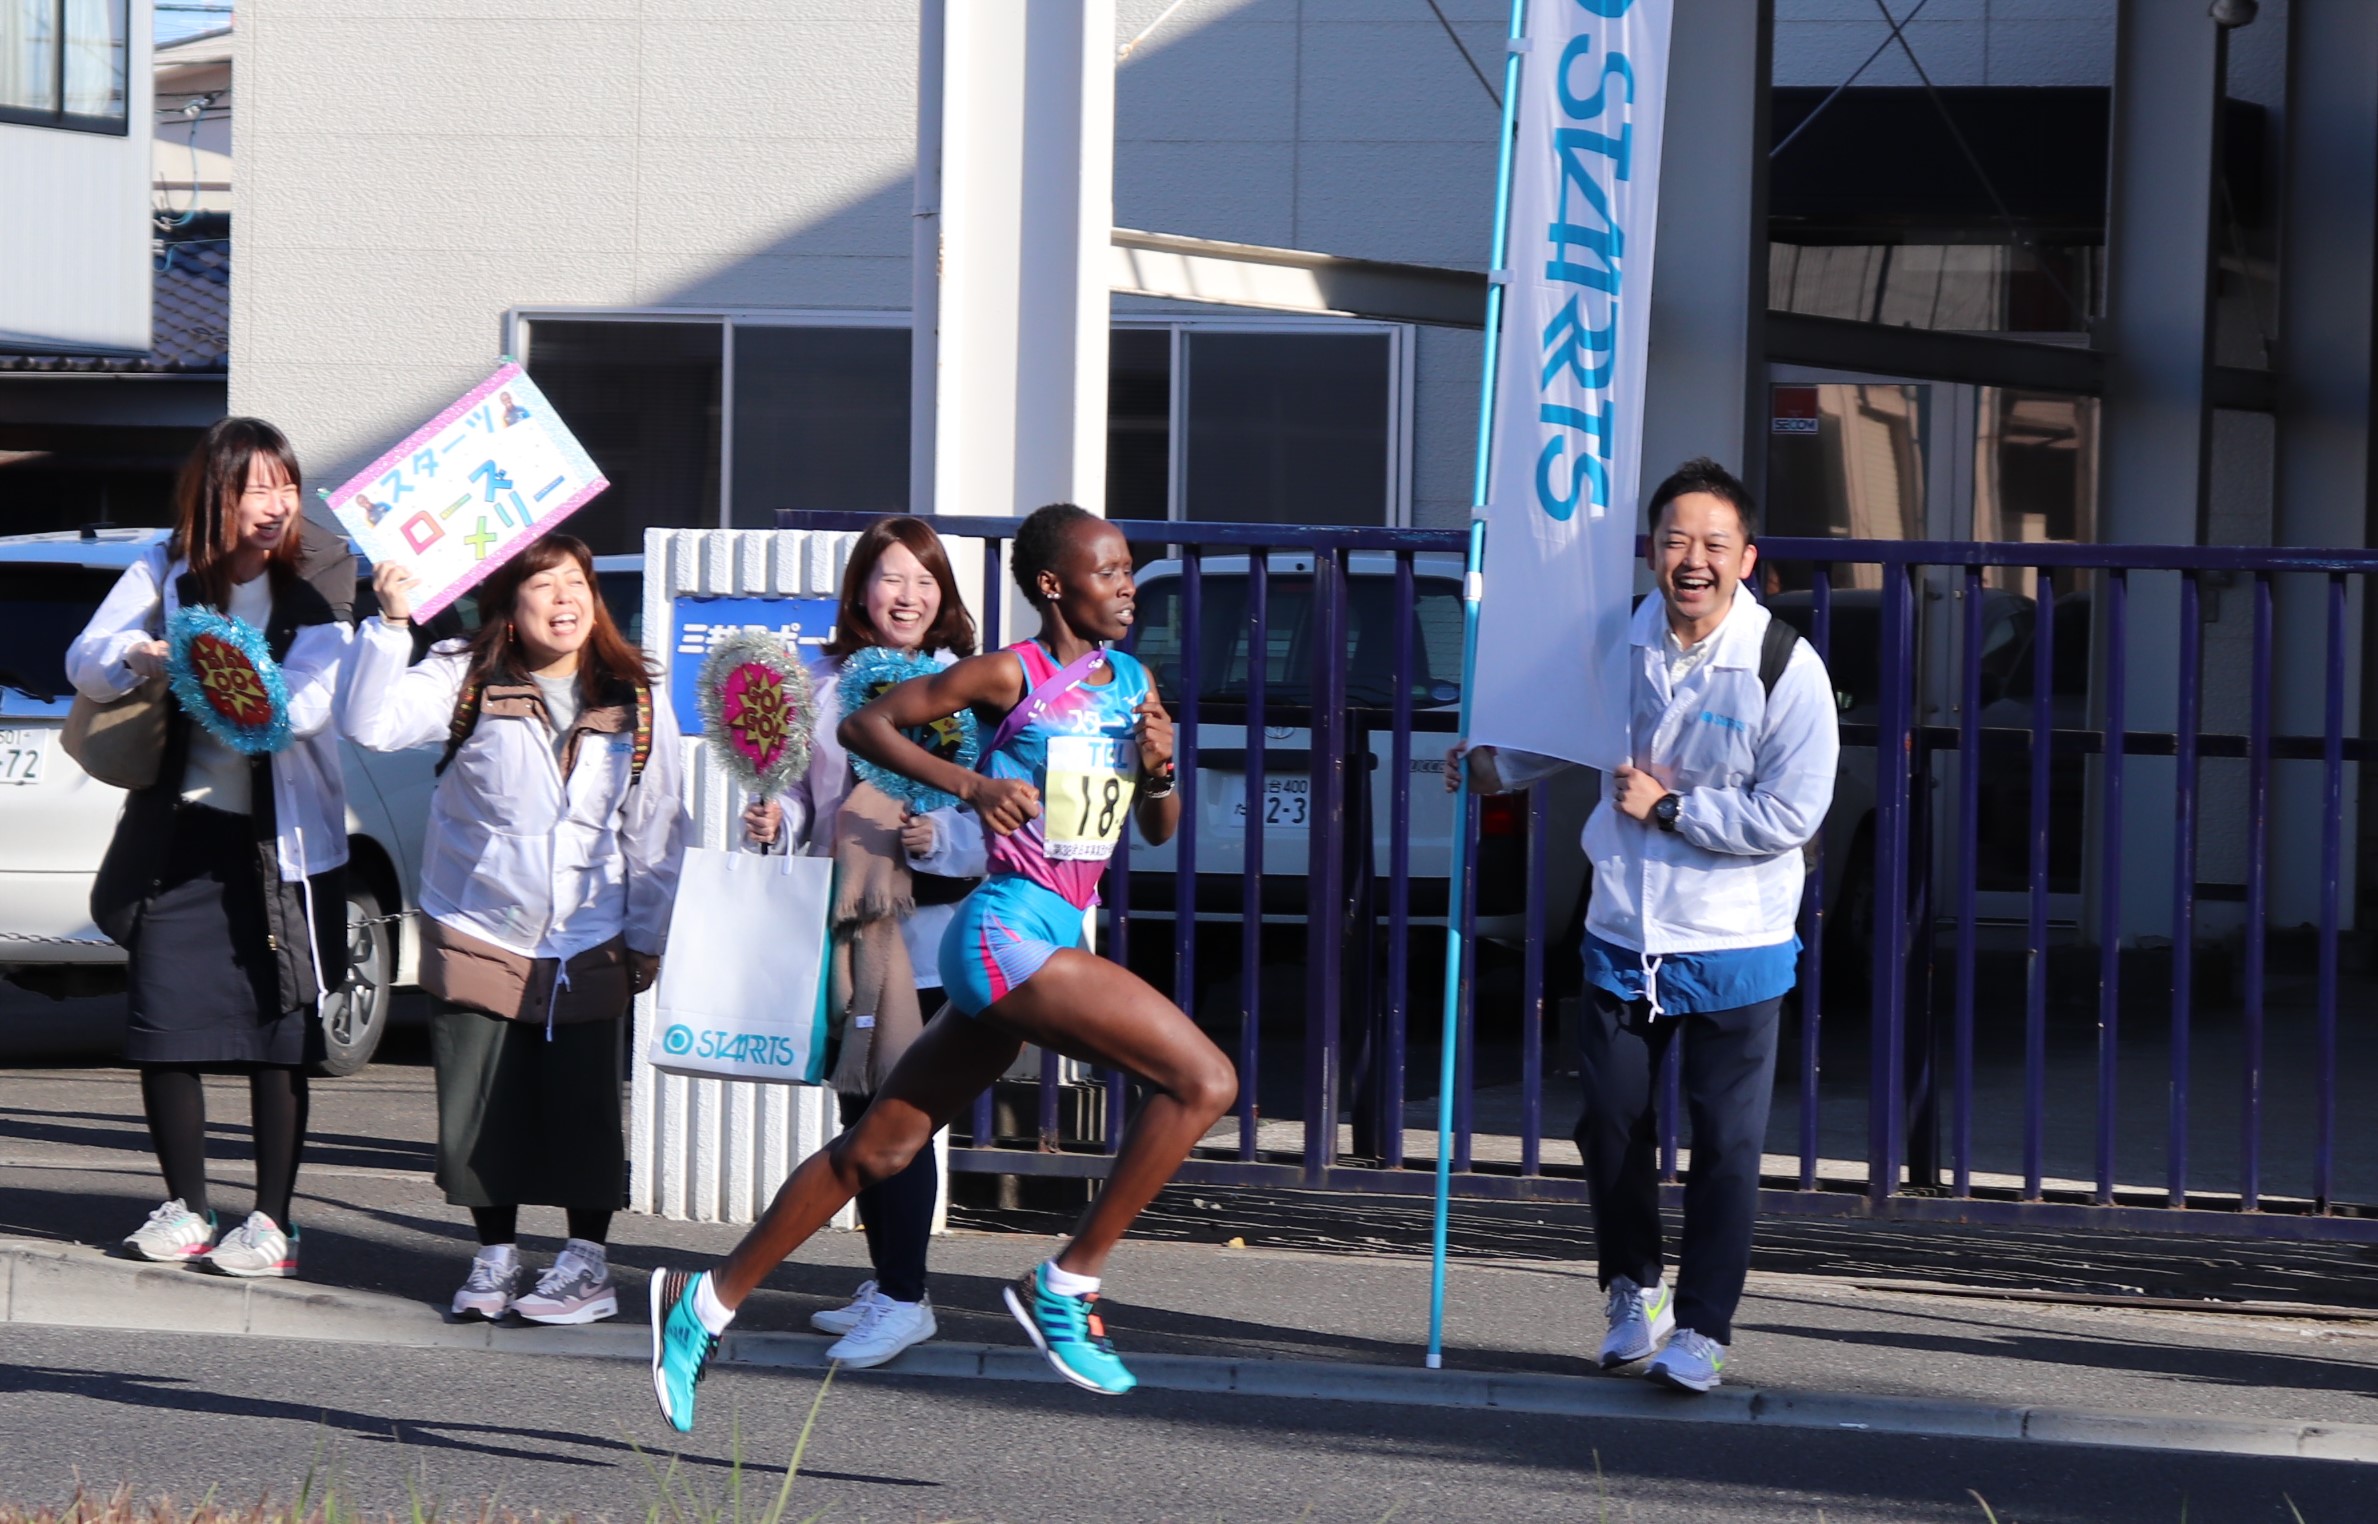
column 1640, row 1317
column 1690, row 1363
column 256, row 1249
column 841, row 1320
column 493, row 1282
column 173, row 1234
column 576, row 1290
column 884, row 1329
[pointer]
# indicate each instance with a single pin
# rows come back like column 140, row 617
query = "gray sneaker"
column 256, row 1249
column 490, row 1288
column 173, row 1234
column 576, row 1290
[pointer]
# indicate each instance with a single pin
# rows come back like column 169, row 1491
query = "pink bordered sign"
column 465, row 492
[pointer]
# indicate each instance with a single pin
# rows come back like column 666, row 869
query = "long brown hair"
column 206, row 529
column 607, row 664
column 953, row 627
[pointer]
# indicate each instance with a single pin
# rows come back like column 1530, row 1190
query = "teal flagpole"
column 1472, row 588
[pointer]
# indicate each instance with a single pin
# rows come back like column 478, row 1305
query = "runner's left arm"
column 1159, row 817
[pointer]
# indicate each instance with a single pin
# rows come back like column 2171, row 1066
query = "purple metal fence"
column 1359, row 927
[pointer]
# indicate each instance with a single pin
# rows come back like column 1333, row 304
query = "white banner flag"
column 1552, row 673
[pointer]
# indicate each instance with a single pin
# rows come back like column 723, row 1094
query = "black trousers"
column 897, row 1215
column 1728, row 1084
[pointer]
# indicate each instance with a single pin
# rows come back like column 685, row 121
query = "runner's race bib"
column 1090, row 788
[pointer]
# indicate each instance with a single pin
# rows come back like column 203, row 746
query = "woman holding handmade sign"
column 547, row 875
column 224, row 880
column 905, row 855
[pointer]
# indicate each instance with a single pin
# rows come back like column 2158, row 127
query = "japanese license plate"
column 23, row 754
column 1287, row 804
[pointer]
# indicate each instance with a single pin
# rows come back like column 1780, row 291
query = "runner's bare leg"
column 950, row 1063
column 1100, row 1012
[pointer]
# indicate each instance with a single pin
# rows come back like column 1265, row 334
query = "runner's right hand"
column 1006, row 805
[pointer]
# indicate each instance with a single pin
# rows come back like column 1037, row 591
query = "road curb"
column 72, row 1286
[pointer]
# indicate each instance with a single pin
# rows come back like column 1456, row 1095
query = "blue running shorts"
column 1003, row 934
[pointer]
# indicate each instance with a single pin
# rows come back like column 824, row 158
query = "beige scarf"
column 874, row 983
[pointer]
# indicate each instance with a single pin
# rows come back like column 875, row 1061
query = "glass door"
column 1880, row 457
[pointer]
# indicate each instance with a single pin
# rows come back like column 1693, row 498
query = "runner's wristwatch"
column 1663, row 813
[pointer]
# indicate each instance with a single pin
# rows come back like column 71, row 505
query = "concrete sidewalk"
column 1905, row 1330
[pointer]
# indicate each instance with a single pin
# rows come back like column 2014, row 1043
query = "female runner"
column 1081, row 743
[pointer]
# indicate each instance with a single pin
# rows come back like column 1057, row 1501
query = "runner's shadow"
column 173, row 1394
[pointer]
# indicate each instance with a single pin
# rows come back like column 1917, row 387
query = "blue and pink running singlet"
column 1075, row 746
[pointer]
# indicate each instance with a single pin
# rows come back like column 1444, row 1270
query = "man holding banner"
column 1696, row 852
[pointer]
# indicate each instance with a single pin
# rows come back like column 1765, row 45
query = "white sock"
column 594, row 1254
column 506, row 1255
column 1066, row 1283
column 714, row 1314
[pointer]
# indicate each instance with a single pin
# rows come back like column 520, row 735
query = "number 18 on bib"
column 1090, row 788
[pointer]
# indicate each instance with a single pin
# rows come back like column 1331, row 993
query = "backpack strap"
column 643, row 746
column 466, row 720
column 1775, row 652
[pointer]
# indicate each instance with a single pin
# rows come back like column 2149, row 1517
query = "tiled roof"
column 191, row 315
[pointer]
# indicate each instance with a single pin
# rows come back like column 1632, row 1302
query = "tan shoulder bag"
column 121, row 742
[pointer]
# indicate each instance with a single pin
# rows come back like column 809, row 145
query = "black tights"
column 175, row 1099
column 897, row 1213
column 501, row 1224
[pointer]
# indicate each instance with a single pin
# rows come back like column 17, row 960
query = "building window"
column 821, row 420
column 65, row 63
column 643, row 398
column 702, row 420
column 1237, row 422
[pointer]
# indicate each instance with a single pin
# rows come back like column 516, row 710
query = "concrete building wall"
column 74, row 246
column 414, row 168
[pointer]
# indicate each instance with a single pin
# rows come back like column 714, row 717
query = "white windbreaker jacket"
column 309, row 790
column 513, row 855
column 1755, row 775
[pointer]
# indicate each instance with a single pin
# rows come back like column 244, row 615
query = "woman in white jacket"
column 547, row 874
column 899, row 593
column 221, row 874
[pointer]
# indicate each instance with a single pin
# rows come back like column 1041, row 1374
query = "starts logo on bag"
column 733, row 1047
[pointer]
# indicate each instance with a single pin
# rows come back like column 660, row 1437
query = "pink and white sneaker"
column 256, row 1249
column 173, row 1235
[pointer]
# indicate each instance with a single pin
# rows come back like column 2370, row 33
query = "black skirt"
column 203, row 983
column 524, row 1120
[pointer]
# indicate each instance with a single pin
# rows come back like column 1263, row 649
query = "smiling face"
column 1091, row 586
column 553, row 615
column 903, row 600
column 267, row 508
column 1698, row 556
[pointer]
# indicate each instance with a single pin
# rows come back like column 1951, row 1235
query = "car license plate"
column 22, row 755
column 1287, row 804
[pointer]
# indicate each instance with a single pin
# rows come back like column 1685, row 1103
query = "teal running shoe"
column 681, row 1347
column 1070, row 1332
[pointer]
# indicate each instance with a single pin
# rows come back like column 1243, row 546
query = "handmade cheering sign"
column 867, row 676
column 469, row 490
column 224, row 677
column 758, row 709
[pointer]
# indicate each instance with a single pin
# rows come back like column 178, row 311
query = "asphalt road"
column 183, row 1415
